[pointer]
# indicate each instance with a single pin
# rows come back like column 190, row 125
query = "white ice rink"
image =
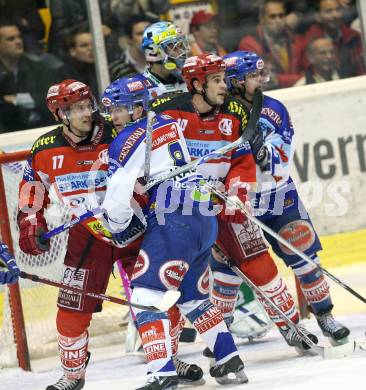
column 270, row 365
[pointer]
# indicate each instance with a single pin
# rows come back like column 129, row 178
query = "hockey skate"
column 189, row 373
column 250, row 321
column 231, row 372
column 66, row 384
column 294, row 339
column 160, row 383
column 334, row 330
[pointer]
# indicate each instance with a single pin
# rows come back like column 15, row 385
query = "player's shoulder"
column 274, row 110
column 49, row 140
column 128, row 140
column 233, row 106
column 181, row 101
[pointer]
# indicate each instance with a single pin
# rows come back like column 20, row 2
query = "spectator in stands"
column 24, row 80
column 121, row 11
column 321, row 56
column 132, row 58
column 25, row 14
column 274, row 41
column 347, row 42
column 204, row 28
column 67, row 14
column 79, row 63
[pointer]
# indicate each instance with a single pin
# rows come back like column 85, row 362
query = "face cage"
column 67, row 111
column 176, row 49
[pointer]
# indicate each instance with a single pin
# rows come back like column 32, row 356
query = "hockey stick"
column 238, row 204
column 149, row 128
column 168, row 300
column 246, row 136
column 319, row 350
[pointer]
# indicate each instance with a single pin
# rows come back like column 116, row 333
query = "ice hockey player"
column 175, row 250
column 210, row 119
column 70, row 164
column 11, row 273
column 166, row 48
column 276, row 201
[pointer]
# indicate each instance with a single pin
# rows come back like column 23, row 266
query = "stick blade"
column 169, row 299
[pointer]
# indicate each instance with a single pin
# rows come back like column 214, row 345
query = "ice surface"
column 270, row 365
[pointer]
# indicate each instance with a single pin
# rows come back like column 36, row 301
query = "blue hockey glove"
column 12, row 274
column 134, row 229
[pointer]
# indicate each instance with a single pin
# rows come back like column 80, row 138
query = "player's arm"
column 126, row 164
column 275, row 149
column 33, row 198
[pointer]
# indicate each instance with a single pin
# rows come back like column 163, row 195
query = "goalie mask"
column 164, row 43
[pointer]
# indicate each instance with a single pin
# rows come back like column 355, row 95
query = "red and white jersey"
column 68, row 173
column 205, row 133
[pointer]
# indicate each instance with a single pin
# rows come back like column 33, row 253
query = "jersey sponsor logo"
column 172, row 272
column 317, row 291
column 98, row 228
column 239, row 109
column 142, row 265
column 150, row 333
column 81, row 181
column 250, row 238
column 203, row 283
column 43, row 141
column 298, row 233
column 155, row 351
column 158, row 102
column 103, row 156
column 226, row 126
column 164, row 135
column 130, row 142
column 208, row 320
column 74, row 278
column 84, row 162
column 272, row 114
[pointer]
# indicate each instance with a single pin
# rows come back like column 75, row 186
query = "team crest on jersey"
column 226, row 126
column 103, row 156
column 141, row 266
column 298, row 233
column 172, row 272
column 203, row 283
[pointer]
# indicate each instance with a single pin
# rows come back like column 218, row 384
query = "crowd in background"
column 44, row 42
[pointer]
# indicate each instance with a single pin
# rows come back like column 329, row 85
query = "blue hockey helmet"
column 164, row 42
column 239, row 64
column 127, row 92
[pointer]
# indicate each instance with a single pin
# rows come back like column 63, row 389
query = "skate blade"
column 336, row 343
column 233, row 378
column 184, row 382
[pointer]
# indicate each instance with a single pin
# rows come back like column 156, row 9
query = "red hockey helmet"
column 61, row 96
column 199, row 67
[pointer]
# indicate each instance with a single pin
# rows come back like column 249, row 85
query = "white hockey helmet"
column 163, row 42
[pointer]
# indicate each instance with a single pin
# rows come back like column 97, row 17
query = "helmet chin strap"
column 207, row 99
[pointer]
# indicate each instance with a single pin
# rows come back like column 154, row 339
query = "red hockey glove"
column 31, row 227
column 234, row 215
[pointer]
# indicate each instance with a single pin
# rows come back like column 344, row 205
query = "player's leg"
column 313, row 283
column 251, row 255
column 209, row 322
column 87, row 264
column 165, row 257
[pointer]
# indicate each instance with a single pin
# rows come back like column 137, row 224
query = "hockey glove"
column 31, row 227
column 12, row 275
column 259, row 150
column 234, row 215
column 134, row 230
